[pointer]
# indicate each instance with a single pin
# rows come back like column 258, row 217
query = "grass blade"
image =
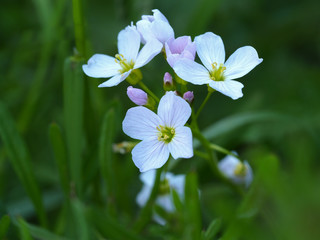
column 73, row 113
column 38, row 232
column 106, row 155
column 192, row 208
column 60, row 156
column 19, row 158
column 4, row 226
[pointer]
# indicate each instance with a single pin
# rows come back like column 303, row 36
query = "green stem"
column 213, row 162
column 146, row 89
column 79, row 26
column 203, row 104
column 223, row 150
column 146, row 211
column 200, row 154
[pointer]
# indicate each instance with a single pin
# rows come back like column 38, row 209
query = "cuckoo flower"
column 235, row 170
column 164, row 198
column 216, row 72
column 161, row 134
column 155, row 26
column 179, row 48
column 125, row 62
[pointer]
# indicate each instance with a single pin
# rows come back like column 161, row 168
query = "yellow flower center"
column 216, row 74
column 240, row 170
column 126, row 66
column 164, row 187
column 165, row 133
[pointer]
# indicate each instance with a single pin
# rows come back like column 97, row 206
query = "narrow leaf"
column 60, row 154
column 192, row 207
column 19, row 158
column 213, row 229
column 73, row 116
column 4, row 226
column 106, row 155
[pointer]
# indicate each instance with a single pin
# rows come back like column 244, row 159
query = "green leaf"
column 192, row 208
column 106, row 156
column 109, row 227
column 176, row 200
column 212, row 230
column 38, row 232
column 19, row 158
column 24, row 230
column 79, row 218
column 60, row 154
column 4, row 226
column 73, row 115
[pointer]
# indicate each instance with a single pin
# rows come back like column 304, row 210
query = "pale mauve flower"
column 162, row 134
column 217, row 73
column 128, row 59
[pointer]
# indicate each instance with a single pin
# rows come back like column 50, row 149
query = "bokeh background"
column 275, row 126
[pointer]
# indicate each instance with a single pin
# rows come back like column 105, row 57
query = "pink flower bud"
column 188, row 96
column 181, row 47
column 167, row 79
column 137, row 95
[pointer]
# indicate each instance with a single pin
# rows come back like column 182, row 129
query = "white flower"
column 164, row 199
column 235, row 170
column 216, row 72
column 128, row 59
column 161, row 133
column 155, row 26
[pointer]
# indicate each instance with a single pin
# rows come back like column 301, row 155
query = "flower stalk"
column 147, row 90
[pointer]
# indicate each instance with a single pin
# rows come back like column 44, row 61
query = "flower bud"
column 137, row 95
column 167, row 82
column 188, row 96
column 237, row 171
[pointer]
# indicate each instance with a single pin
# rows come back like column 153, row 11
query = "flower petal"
column 149, row 51
column 143, row 195
column 173, row 110
column 210, row 49
column 148, row 178
column 101, row 66
column 229, row 88
column 192, row 72
column 150, row 154
column 129, row 43
column 144, row 28
column 159, row 16
column 114, row 81
column 181, row 144
column 162, row 30
column 141, row 123
column 242, row 61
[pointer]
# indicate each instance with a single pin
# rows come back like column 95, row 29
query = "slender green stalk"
column 79, row 26
column 223, row 150
column 201, row 154
column 203, row 104
column 146, row 211
column 213, row 162
column 145, row 88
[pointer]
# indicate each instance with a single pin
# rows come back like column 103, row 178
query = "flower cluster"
column 161, row 125
column 164, row 200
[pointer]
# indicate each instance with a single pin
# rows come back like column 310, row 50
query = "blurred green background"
column 275, row 126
